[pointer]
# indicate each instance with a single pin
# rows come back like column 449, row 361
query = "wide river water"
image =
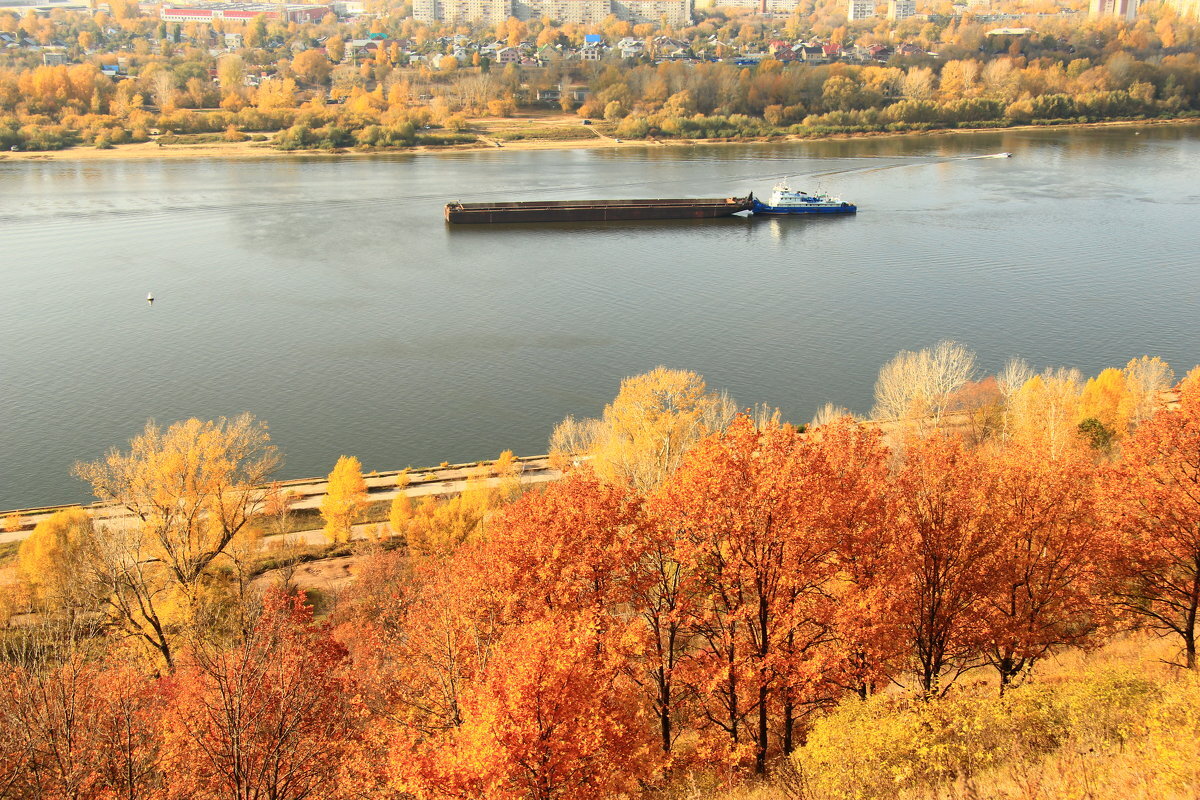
column 327, row 296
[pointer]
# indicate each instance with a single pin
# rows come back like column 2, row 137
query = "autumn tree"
column 643, row 434
column 71, row 728
column 1106, row 400
column 56, row 562
column 256, row 31
column 1146, row 378
column 665, row 603
column 270, row 717
column 183, row 494
column 855, row 509
column 163, row 88
column 917, row 387
column 277, row 506
column 231, row 72
column 564, row 550
column 945, row 550
column 312, row 66
column 1043, row 414
column 335, row 48
column 743, row 507
column 550, row 719
column 344, row 500
column 1045, row 587
column 1154, row 508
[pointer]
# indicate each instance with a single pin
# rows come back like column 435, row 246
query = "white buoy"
column 150, row 298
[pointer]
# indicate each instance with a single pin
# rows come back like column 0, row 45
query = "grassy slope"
column 1118, row 724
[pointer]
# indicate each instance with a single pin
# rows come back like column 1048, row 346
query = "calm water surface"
column 328, row 297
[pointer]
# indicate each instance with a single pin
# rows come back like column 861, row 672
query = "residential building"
column 579, row 12
column 491, row 12
column 675, row 12
column 630, row 47
column 902, row 9
column 1121, row 9
column 1189, row 9
column 243, row 12
column 860, row 9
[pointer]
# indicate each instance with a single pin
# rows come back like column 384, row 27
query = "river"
column 327, row 296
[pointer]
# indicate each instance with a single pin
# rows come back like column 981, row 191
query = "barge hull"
column 596, row 210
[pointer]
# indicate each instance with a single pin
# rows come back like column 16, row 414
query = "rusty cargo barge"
column 597, row 210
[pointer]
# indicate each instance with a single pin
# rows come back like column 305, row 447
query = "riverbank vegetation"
column 121, row 76
column 989, row 588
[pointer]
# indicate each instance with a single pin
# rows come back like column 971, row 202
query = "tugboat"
column 784, row 200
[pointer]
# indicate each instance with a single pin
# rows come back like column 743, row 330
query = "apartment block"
column 860, row 9
column 1122, row 9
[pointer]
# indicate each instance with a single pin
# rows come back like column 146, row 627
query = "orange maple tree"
column 268, row 718
column 1045, row 587
column 945, row 549
column 1153, row 498
column 741, row 507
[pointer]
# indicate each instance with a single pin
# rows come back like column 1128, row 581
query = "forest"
column 305, row 86
column 989, row 587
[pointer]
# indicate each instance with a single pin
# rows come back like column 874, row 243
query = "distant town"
column 369, row 75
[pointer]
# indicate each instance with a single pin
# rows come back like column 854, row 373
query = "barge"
column 598, row 210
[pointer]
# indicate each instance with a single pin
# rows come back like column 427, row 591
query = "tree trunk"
column 664, row 718
column 760, row 752
column 789, row 722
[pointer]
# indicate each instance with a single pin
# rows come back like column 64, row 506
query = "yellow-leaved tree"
column 1043, row 413
column 181, row 496
column 56, row 563
column 435, row 528
column 1106, row 399
column 345, row 498
column 643, row 434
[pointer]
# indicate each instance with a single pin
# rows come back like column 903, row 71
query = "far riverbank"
column 489, row 129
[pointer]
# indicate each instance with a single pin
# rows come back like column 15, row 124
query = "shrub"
column 888, row 747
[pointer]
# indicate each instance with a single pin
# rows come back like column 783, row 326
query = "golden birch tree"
column 345, row 498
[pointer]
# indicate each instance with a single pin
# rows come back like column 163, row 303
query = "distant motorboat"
column 150, row 298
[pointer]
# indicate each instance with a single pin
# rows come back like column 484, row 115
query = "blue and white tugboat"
column 786, row 201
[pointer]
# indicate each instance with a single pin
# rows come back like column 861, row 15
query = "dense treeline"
column 688, row 603
column 718, row 100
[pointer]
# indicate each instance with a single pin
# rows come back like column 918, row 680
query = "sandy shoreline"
column 242, row 150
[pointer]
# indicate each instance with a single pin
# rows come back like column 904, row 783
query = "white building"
column 901, row 9
column 579, row 12
column 491, row 12
column 1186, row 8
column 860, row 9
